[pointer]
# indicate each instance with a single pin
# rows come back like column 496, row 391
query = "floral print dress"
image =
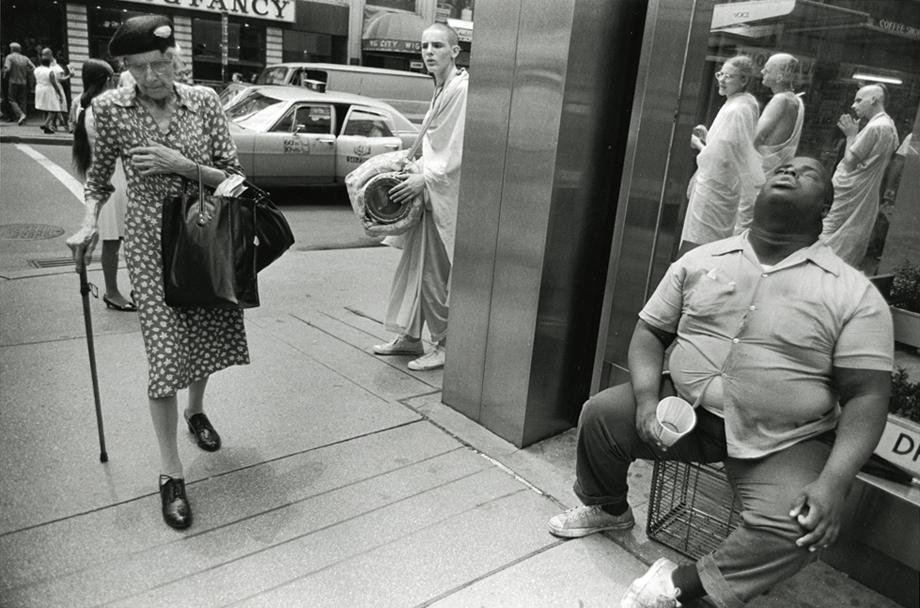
column 182, row 344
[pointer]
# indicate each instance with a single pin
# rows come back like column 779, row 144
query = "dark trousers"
column 761, row 552
column 19, row 99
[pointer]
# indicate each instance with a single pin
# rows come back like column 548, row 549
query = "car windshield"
column 257, row 111
column 272, row 76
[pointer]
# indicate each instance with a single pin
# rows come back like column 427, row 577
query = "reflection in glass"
column 816, row 61
column 728, row 171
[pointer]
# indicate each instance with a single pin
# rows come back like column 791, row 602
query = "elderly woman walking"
column 166, row 134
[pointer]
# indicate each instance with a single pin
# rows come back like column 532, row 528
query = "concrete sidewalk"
column 343, row 480
column 30, row 132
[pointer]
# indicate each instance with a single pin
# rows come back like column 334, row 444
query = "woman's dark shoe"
column 47, row 130
column 200, row 426
column 126, row 307
column 177, row 513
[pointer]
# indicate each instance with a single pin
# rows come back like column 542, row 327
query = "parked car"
column 408, row 92
column 289, row 136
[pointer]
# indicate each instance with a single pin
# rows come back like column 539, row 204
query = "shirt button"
column 735, row 340
column 752, row 307
column 764, row 275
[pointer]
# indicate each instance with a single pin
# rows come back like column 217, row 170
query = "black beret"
column 142, row 34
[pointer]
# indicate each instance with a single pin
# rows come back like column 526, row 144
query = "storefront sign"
column 276, row 10
column 899, row 29
column 392, row 46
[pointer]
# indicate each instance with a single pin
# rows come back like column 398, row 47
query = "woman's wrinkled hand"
column 82, row 244
column 157, row 159
column 412, row 185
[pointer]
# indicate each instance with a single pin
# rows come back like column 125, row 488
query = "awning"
column 392, row 30
column 816, row 20
column 755, row 18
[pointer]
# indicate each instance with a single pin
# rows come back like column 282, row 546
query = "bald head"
column 869, row 101
column 875, row 91
column 453, row 38
column 784, row 68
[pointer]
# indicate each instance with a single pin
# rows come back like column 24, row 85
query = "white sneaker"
column 399, row 346
column 433, row 359
column 583, row 520
column 653, row 589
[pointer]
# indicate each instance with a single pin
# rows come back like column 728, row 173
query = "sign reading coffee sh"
column 276, row 10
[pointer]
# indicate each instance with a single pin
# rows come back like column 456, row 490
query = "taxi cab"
column 290, row 136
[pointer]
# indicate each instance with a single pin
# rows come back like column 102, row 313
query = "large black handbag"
column 213, row 247
column 273, row 233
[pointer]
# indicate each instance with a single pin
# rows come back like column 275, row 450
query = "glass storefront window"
column 245, row 48
column 696, row 92
column 846, row 62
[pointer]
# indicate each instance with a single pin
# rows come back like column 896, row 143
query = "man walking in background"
column 18, row 70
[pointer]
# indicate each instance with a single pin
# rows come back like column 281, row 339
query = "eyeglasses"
column 158, row 67
column 725, row 76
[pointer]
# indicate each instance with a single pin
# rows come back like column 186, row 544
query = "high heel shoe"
column 47, row 130
column 177, row 513
column 129, row 307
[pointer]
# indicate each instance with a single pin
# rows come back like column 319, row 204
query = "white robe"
column 848, row 225
column 772, row 156
column 729, row 172
column 419, row 293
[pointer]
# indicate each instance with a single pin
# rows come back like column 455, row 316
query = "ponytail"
column 95, row 75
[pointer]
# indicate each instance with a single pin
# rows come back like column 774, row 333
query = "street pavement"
column 342, row 481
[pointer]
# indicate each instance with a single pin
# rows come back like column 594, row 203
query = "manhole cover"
column 29, row 232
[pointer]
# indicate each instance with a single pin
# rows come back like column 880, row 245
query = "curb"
column 37, row 139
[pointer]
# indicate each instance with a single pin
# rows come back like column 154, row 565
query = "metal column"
column 548, row 114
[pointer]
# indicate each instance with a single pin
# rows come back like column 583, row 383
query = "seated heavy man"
column 789, row 351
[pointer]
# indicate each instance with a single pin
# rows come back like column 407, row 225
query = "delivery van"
column 408, row 92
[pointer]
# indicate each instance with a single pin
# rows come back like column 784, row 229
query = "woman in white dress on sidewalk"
column 49, row 97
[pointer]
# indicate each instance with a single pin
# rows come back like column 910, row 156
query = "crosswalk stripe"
column 69, row 181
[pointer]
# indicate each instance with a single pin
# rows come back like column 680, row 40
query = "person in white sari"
column 858, row 177
column 728, row 167
column 779, row 129
column 419, row 294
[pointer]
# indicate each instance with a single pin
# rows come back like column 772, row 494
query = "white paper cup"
column 676, row 418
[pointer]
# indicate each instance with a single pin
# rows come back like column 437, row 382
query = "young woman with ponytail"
column 98, row 78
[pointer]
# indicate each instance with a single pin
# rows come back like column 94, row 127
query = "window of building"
column 245, row 49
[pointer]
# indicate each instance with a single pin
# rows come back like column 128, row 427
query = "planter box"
column 900, row 444
column 906, row 326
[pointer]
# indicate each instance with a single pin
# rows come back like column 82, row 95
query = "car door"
column 366, row 132
column 300, row 148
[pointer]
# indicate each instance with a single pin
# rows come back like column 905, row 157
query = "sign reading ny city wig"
column 275, row 10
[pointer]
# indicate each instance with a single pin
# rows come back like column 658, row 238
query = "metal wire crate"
column 691, row 508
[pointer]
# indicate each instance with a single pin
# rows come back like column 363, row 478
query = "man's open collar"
column 818, row 253
column 126, row 97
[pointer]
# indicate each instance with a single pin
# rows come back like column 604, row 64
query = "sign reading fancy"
column 276, row 10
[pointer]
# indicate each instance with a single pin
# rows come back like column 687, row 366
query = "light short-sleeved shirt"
column 769, row 338
column 17, row 67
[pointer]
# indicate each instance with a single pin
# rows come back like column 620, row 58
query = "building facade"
column 223, row 39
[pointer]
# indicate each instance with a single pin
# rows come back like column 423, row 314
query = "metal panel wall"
column 541, row 160
column 655, row 180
